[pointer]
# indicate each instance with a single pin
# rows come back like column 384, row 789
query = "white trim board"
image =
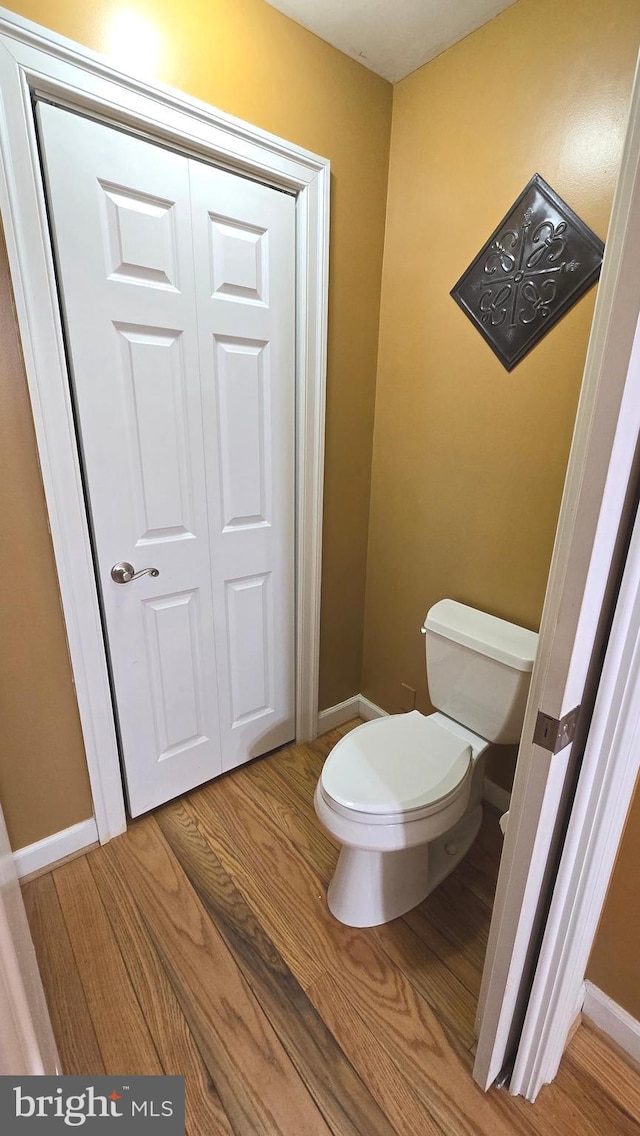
column 42, row 855
column 338, row 714
column 604, row 791
column 369, row 710
column 612, row 1019
column 36, row 60
column 355, row 707
column 496, row 796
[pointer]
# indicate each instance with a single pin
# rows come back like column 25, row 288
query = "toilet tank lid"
column 496, row 638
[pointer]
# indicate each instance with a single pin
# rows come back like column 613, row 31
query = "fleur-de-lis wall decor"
column 537, row 263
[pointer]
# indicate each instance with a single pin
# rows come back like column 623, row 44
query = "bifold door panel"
column 177, row 288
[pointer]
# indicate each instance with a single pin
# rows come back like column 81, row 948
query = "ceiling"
column 391, row 37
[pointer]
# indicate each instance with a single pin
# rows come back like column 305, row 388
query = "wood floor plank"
column 459, row 917
column 481, row 885
column 258, row 1085
column 175, row 1045
column 121, row 1031
column 453, row 1003
column 412, row 1039
column 288, row 899
column 284, row 891
column 302, row 790
column 573, row 1103
column 595, row 1110
column 301, row 765
column 295, row 818
column 384, row 1079
column 618, row 1076
column 332, row 1081
column 279, row 884
column 72, row 1026
column 268, row 872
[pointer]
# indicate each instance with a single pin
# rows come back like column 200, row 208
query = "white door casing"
column 34, row 59
column 177, row 284
column 608, row 775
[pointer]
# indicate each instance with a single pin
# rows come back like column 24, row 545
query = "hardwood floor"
column 200, row 943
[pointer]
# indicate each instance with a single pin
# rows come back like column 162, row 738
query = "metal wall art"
column 536, row 264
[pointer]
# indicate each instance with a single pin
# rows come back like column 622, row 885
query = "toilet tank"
column 479, row 669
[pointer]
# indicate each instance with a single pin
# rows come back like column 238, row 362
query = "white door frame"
column 603, row 795
column 594, row 514
column 36, row 60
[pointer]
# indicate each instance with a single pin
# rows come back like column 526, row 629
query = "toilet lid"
column 395, row 765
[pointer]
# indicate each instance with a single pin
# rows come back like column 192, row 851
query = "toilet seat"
column 396, row 769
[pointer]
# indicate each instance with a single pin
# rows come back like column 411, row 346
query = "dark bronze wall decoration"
column 534, row 266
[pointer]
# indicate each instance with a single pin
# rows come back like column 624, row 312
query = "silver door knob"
column 123, row 572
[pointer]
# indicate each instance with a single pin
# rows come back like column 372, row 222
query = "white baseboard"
column 612, row 1020
column 42, row 855
column 336, row 715
column 369, row 710
column 356, row 707
column 497, row 796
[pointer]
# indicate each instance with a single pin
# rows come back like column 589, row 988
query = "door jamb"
column 603, row 796
column 33, row 60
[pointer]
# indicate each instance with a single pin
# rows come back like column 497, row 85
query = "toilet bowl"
column 402, row 794
column 396, row 793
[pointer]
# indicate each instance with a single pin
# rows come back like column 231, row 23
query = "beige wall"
column 613, row 965
column 43, row 778
column 244, row 57
column 468, row 460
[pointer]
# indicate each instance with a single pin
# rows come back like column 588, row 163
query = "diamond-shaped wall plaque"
column 534, row 266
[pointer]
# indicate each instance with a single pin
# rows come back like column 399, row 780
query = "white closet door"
column 169, row 439
column 244, row 246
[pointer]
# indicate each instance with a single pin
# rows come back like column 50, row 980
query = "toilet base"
column 369, row 888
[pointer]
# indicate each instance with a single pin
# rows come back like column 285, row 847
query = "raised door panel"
column 152, row 366
column 122, row 227
column 251, row 671
column 174, row 652
column 242, row 389
column 139, row 237
column 238, row 260
column 244, row 242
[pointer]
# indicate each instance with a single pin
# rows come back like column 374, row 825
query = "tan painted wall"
column 469, row 461
column 244, row 57
column 43, row 778
column 613, row 965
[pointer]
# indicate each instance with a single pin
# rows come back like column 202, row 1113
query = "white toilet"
column 403, row 794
